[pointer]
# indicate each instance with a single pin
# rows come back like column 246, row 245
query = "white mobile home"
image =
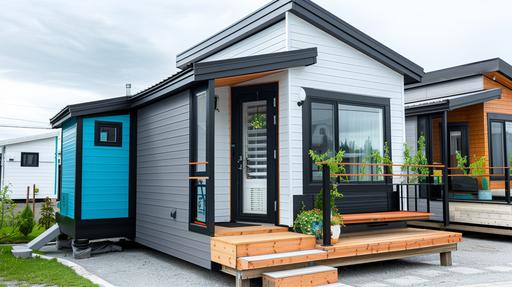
column 30, row 160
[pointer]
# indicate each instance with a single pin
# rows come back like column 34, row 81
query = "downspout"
column 2, row 165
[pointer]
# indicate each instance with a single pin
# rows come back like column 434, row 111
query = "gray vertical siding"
column 162, row 181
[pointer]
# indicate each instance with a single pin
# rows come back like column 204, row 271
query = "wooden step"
column 226, row 249
column 276, row 259
column 246, row 230
column 389, row 240
column 303, row 277
column 358, row 218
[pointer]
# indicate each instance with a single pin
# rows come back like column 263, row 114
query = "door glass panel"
column 322, row 133
column 254, row 115
column 508, row 130
column 455, row 146
column 497, row 148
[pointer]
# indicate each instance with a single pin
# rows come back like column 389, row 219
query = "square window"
column 30, row 159
column 108, row 134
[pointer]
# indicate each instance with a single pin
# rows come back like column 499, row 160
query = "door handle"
column 240, row 162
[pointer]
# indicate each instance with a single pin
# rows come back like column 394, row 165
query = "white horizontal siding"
column 455, row 87
column 222, row 155
column 339, row 68
column 19, row 177
column 270, row 40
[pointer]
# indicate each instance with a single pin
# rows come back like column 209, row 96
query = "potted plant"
column 336, row 223
column 309, row 222
column 477, row 170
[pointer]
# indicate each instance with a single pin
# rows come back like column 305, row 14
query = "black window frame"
column 335, row 99
column 119, row 133
column 23, row 159
column 501, row 118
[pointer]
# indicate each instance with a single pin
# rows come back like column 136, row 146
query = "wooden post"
column 326, row 186
column 28, row 195
column 34, row 199
column 446, row 258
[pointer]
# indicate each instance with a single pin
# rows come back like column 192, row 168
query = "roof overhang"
column 450, row 103
column 465, row 71
column 200, row 72
column 51, row 134
column 314, row 14
column 96, row 107
column 254, row 64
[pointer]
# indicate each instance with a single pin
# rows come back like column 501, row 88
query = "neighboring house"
column 30, row 160
column 470, row 108
column 226, row 139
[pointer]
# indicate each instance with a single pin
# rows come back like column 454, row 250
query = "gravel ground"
column 482, row 260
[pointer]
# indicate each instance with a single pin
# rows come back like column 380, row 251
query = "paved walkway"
column 480, row 261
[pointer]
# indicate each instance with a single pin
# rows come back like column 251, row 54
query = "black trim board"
column 313, row 13
column 452, row 102
column 254, row 64
column 464, row 71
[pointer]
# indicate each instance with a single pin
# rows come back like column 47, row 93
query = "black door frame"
column 239, row 95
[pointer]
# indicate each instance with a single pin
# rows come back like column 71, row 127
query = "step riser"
column 308, row 280
column 277, row 246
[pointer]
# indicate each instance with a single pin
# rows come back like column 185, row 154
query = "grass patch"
column 38, row 271
column 7, row 236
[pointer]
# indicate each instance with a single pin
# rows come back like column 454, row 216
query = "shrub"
column 26, row 221
column 7, row 206
column 47, row 214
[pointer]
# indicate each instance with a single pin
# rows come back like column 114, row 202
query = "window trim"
column 502, row 118
column 119, row 134
column 336, row 98
column 29, row 153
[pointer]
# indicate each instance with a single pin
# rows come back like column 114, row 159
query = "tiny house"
column 28, row 161
column 224, row 142
column 467, row 109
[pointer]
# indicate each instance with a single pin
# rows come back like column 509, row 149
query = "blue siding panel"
column 68, row 168
column 105, row 172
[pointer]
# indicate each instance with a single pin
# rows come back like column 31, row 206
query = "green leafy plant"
column 7, row 206
column 304, row 221
column 258, row 121
column 26, row 221
column 376, row 157
column 462, row 162
column 47, row 214
column 335, row 168
column 477, row 169
column 336, row 219
column 419, row 158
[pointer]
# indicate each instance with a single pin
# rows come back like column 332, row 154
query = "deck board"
column 246, row 230
column 358, row 218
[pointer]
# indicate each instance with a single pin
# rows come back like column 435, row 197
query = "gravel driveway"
column 480, row 261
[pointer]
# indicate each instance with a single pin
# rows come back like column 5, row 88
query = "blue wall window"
column 108, row 133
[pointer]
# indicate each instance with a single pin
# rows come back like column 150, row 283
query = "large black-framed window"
column 108, row 133
column 500, row 142
column 360, row 125
column 30, row 159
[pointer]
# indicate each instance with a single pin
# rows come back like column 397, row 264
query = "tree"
column 7, row 206
column 47, row 214
column 26, row 221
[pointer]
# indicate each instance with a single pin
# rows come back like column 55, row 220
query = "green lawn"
column 8, row 237
column 37, row 271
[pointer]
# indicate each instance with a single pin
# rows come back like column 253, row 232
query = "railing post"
column 430, row 180
column 507, row 183
column 446, row 204
column 326, row 186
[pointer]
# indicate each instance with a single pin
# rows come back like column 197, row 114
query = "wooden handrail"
column 486, row 167
column 197, row 162
column 381, row 164
column 383, row 174
column 198, row 177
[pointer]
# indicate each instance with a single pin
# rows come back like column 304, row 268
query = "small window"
column 108, row 134
column 29, row 159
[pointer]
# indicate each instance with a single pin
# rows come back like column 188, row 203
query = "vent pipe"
column 128, row 90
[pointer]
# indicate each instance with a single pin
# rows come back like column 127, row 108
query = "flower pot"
column 484, row 195
column 335, row 233
column 316, row 229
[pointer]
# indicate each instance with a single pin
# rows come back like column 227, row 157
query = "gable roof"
column 30, row 138
column 464, row 71
column 275, row 11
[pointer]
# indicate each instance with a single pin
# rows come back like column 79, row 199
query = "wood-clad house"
column 474, row 102
column 225, row 141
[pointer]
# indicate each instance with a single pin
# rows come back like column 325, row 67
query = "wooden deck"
column 384, row 217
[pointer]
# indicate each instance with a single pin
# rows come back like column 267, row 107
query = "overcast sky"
column 55, row 53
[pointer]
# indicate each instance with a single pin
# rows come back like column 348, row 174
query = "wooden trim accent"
column 198, row 177
column 197, row 162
